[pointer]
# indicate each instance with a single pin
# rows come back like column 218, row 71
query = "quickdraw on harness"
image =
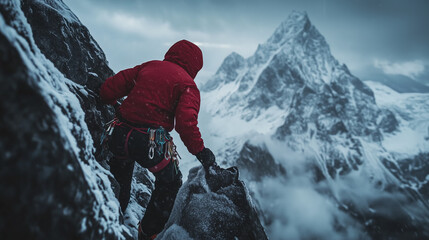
column 109, row 130
column 152, row 144
column 160, row 140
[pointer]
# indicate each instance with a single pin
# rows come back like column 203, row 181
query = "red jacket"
column 159, row 91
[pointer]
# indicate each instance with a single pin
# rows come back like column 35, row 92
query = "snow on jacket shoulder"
column 160, row 91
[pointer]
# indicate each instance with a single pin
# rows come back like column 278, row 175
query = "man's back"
column 154, row 98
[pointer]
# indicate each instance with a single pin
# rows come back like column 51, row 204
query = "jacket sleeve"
column 119, row 85
column 187, row 119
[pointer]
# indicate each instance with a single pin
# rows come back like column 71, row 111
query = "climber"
column 158, row 92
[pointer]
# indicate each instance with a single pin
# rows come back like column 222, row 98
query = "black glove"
column 206, row 157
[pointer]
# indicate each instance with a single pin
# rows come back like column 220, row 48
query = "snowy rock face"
column 305, row 112
column 227, row 72
column 61, row 37
column 51, row 187
column 205, row 210
column 67, row 43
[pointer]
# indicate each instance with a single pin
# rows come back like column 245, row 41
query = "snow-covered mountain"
column 410, row 144
column 293, row 113
column 55, row 182
column 412, row 111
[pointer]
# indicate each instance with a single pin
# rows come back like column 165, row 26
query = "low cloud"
column 410, row 69
column 141, row 26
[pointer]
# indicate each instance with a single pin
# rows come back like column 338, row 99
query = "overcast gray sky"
column 389, row 35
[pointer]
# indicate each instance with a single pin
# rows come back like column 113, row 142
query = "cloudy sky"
column 384, row 36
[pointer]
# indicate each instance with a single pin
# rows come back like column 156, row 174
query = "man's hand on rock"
column 207, row 158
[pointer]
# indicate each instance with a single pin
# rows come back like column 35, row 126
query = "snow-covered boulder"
column 215, row 205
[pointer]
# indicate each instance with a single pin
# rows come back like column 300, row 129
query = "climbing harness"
column 160, row 142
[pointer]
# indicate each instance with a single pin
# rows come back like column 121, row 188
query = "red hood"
column 187, row 55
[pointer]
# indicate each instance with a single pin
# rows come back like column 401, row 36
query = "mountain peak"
column 233, row 57
column 227, row 72
column 296, row 23
column 294, row 32
column 297, row 17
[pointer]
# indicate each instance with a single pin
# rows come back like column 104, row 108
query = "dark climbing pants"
column 130, row 146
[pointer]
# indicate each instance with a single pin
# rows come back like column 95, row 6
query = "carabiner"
column 151, row 152
column 167, row 153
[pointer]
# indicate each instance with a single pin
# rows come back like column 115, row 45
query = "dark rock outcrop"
column 257, row 162
column 205, row 210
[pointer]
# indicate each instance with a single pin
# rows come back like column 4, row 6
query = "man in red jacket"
column 158, row 92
